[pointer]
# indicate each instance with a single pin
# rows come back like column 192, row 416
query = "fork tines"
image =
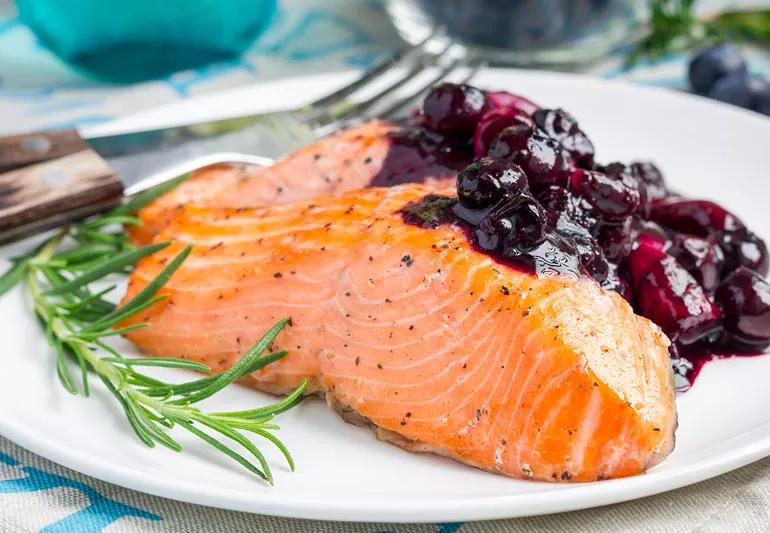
column 391, row 85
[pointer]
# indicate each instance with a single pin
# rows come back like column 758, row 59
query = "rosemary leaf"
column 108, row 267
column 219, row 446
column 278, row 407
column 168, row 362
column 141, row 299
column 233, row 434
column 238, row 369
column 13, row 276
column 144, row 198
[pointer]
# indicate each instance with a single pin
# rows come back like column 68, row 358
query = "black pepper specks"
column 505, row 290
column 407, row 260
column 277, row 275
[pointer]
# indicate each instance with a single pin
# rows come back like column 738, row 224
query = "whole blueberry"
column 614, row 198
column 518, row 222
column 742, row 90
column 486, row 181
column 454, row 110
column 652, row 178
column 745, row 301
column 562, row 127
column 714, row 64
column 743, row 247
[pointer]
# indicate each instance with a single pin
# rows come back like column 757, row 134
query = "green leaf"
column 87, row 252
column 240, row 439
column 136, row 424
column 745, row 25
column 219, row 446
column 273, row 409
column 167, row 362
column 149, row 424
column 108, row 220
column 238, row 369
column 91, row 335
column 143, row 198
column 108, row 267
column 142, row 298
column 276, row 441
column 116, row 315
column 13, row 275
column 62, row 367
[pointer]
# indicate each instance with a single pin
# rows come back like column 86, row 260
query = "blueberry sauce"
column 416, row 153
column 531, row 194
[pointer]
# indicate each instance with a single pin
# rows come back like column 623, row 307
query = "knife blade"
column 50, row 178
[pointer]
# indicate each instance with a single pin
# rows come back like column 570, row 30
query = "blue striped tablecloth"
column 38, row 92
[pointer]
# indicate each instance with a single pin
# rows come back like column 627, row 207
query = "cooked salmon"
column 375, row 153
column 413, row 331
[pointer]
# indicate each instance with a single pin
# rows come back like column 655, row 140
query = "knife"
column 50, row 178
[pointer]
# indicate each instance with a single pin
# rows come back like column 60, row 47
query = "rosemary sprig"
column 77, row 319
column 674, row 27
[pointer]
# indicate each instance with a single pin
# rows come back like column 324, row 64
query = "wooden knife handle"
column 50, row 178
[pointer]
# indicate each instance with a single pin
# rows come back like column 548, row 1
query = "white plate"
column 343, row 473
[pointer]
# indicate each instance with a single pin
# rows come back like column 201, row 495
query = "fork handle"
column 50, row 178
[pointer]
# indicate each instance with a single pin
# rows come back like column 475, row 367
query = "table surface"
column 37, row 91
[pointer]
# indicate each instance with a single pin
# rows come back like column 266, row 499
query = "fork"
column 51, row 178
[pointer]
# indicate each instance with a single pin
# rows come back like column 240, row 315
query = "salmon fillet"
column 370, row 154
column 413, row 331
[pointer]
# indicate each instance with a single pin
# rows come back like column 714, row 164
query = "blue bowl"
column 132, row 40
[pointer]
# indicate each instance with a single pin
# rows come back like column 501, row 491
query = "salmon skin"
column 414, row 332
column 375, row 153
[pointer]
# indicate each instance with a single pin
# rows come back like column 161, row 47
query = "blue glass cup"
column 134, row 40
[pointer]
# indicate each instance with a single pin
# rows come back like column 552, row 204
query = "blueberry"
column 715, row 63
column 669, row 296
column 615, row 239
column 492, row 123
column 454, row 110
column 696, row 217
column 614, row 199
column 742, row 90
column 743, row 247
column 562, row 127
column 562, row 205
column 652, row 178
column 703, row 258
column 518, row 222
column 589, row 252
column 540, row 156
column 486, row 181
column 504, row 99
column 745, row 301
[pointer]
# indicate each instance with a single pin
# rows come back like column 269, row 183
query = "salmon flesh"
column 413, row 331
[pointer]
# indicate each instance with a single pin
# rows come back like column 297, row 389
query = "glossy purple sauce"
column 689, row 362
column 416, row 154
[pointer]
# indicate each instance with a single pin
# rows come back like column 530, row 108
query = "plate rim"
column 409, row 511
